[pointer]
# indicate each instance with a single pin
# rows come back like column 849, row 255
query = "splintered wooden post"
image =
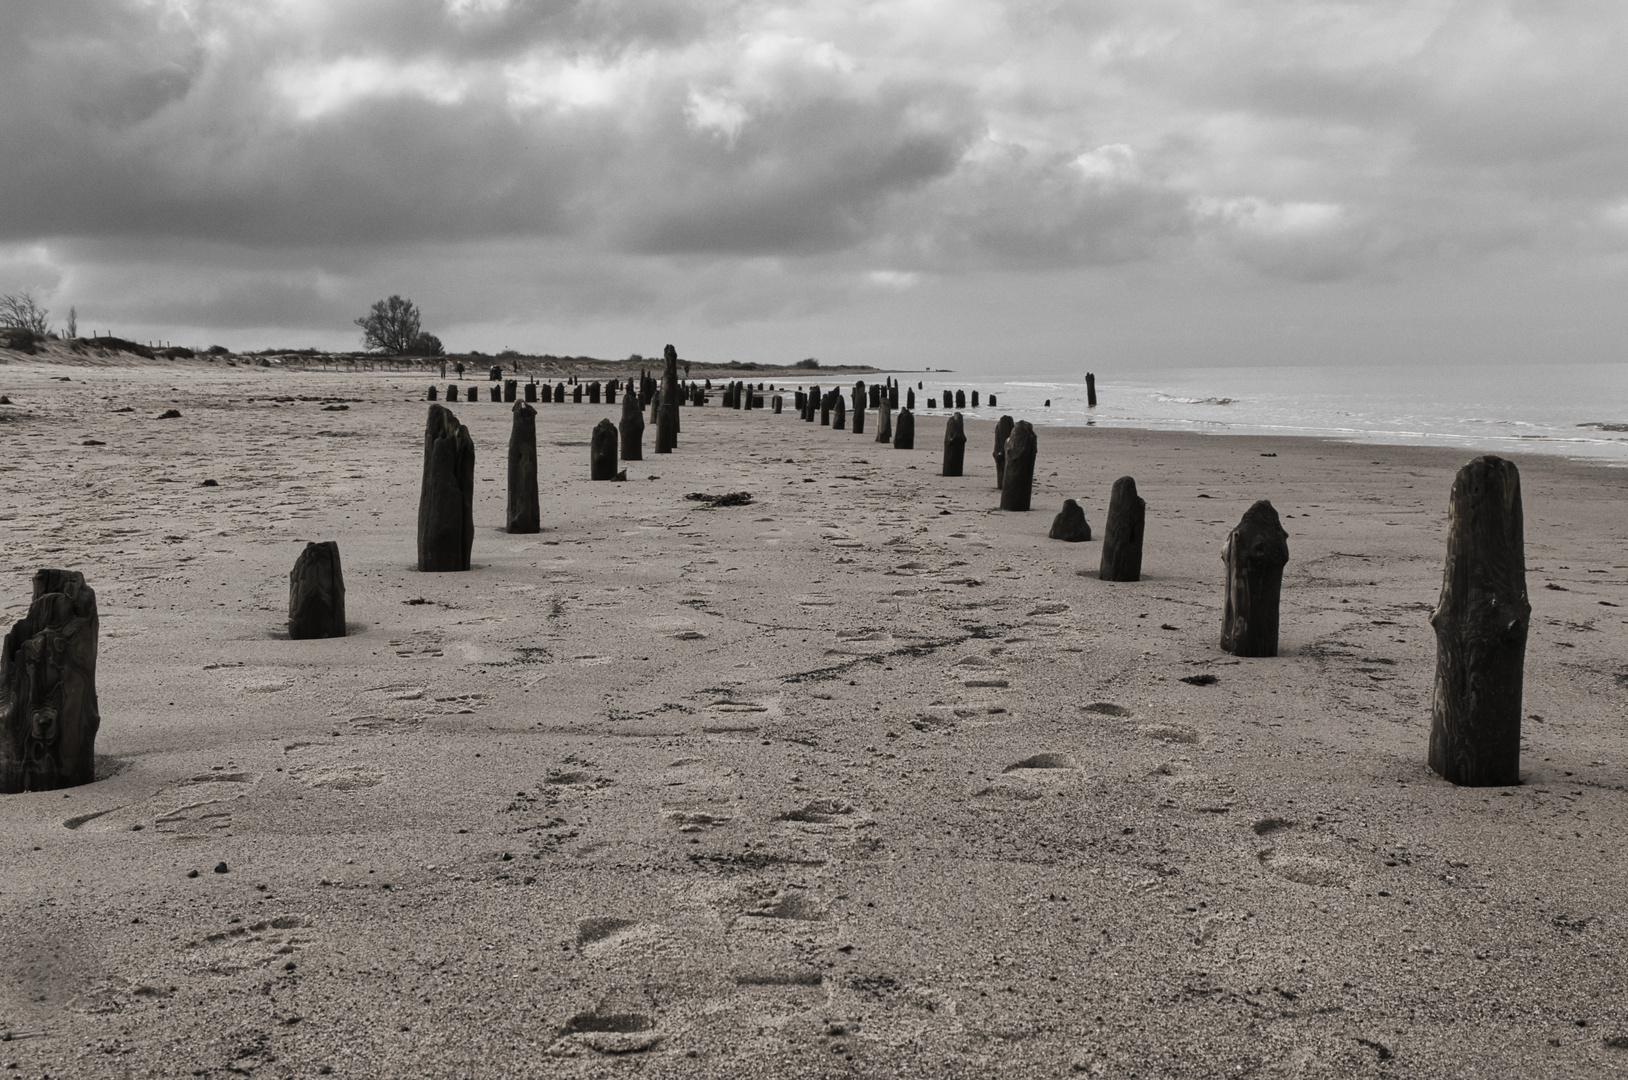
column 48, row 713
column 1003, row 431
column 1122, row 535
column 602, row 452
column 839, row 412
column 523, row 514
column 1256, row 552
column 1018, row 485
column 1481, row 623
column 667, row 418
column 859, row 407
column 1090, row 390
column 316, row 593
column 1070, row 524
column 955, row 445
column 446, row 518
column 884, row 422
column 632, row 428
column 904, row 431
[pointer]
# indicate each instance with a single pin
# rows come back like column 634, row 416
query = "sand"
column 864, row 778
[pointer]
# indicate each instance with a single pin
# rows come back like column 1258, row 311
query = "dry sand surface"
column 864, row 778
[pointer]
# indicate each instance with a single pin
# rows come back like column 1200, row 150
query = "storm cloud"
column 578, row 175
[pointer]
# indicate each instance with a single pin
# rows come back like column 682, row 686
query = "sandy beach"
column 864, row 778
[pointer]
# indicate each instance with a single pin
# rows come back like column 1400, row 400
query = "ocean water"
column 1575, row 410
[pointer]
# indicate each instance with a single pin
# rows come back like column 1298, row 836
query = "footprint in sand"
column 335, row 777
column 1105, row 708
column 1170, row 733
column 694, row 821
column 602, row 930
column 1302, row 868
column 603, row 1031
column 819, row 812
column 243, row 946
column 1041, row 763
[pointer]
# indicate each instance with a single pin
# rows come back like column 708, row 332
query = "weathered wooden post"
column 48, row 713
column 316, row 593
column 667, row 422
column 825, row 409
column 910, row 399
column 576, row 394
column 1122, row 534
column 892, row 394
column 452, row 391
column 960, row 399
column 876, row 396
column 1256, row 551
column 811, row 407
column 522, row 514
column 559, row 393
column 955, row 445
column 531, row 391
column 1070, row 524
column 1090, row 390
column 904, row 431
column 991, row 401
column 610, row 392
column 1018, row 485
column 839, row 412
column 632, row 427
column 859, row 407
column 434, row 393
column 510, row 387
column 593, row 392
column 1003, row 431
column 1481, row 623
column 975, row 399
column 446, row 497
column 602, row 452
column 778, row 402
column 884, row 421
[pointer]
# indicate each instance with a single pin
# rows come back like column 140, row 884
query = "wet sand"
column 864, row 778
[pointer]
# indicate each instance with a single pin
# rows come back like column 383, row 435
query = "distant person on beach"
column 459, row 369
column 443, row 369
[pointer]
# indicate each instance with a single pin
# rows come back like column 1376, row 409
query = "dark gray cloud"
column 541, row 163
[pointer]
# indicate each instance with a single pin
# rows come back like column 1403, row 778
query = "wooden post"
column 1003, row 431
column 1090, row 390
column 1070, row 524
column 452, row 391
column 1256, row 551
column 523, row 514
column 632, row 427
column 975, row 399
column 955, row 445
column 48, row 713
column 1122, row 535
column 960, row 399
column 610, row 392
column 884, row 421
column 510, row 386
column 446, row 519
column 839, row 412
column 859, row 407
column 825, row 409
column 433, row 394
column 1018, row 484
column 909, row 399
column 667, row 418
column 531, row 391
column 778, row 402
column 1481, row 623
column 316, row 593
column 559, row 393
column 576, row 394
column 602, row 452
column 904, row 431
column 991, row 401
column 593, row 392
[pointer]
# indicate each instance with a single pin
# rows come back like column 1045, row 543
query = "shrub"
column 810, row 362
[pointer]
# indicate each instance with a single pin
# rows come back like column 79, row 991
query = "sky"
column 1035, row 186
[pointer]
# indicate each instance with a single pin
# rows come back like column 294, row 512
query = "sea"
column 1574, row 410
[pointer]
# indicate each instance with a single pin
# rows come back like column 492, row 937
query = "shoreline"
column 863, row 777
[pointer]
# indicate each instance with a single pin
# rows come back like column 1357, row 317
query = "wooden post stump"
column 1070, row 524
column 858, row 398
column 48, row 713
column 991, row 401
column 433, row 394
column 523, row 514
column 955, row 445
column 960, row 399
column 1003, row 431
column 559, row 393
column 904, row 431
column 893, row 396
column 839, row 412
column 602, row 452
column 510, row 387
column 778, row 402
column 825, row 409
column 910, row 399
column 1122, row 535
column 576, row 394
column 1090, row 390
column 610, row 392
column 446, row 519
column 452, row 391
column 593, row 392
column 1481, row 623
column 632, row 428
column 1018, row 485
column 884, row 422
column 1256, row 552
column 667, row 419
column 316, row 593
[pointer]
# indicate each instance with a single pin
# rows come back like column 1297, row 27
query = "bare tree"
column 21, row 312
column 390, row 326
